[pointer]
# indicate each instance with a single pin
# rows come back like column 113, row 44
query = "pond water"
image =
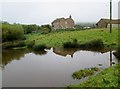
column 50, row 68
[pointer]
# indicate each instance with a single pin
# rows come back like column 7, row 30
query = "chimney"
column 70, row 16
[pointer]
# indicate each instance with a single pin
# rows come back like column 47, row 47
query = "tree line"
column 11, row 32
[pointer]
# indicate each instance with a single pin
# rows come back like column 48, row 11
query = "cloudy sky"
column 45, row 11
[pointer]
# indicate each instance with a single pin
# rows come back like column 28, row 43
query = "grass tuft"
column 84, row 73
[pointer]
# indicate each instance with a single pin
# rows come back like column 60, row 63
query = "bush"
column 31, row 44
column 11, row 32
column 21, row 44
column 23, row 38
column 39, row 47
column 73, row 44
column 30, row 28
column 93, row 44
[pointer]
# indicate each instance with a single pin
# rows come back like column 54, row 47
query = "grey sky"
column 45, row 12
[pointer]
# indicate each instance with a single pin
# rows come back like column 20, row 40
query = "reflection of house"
column 63, row 23
column 64, row 52
column 71, row 51
column 104, row 23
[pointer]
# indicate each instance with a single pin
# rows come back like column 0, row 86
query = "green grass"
column 107, row 78
column 84, row 73
column 56, row 39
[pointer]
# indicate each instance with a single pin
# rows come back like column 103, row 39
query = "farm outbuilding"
column 104, row 23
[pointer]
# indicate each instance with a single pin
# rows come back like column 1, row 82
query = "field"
column 56, row 39
column 107, row 78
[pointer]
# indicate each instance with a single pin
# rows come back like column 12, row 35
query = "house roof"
column 58, row 19
column 107, row 21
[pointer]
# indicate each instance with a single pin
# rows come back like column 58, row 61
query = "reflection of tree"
column 9, row 55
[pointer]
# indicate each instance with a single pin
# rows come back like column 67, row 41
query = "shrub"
column 30, row 28
column 73, row 44
column 93, row 44
column 39, row 47
column 31, row 44
column 67, row 45
column 21, row 44
column 23, row 38
column 11, row 32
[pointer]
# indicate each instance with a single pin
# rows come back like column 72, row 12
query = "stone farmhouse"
column 63, row 23
column 104, row 23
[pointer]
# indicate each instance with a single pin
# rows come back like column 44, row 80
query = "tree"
column 12, row 32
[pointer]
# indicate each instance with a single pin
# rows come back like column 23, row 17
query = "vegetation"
column 97, row 43
column 30, row 28
column 84, row 73
column 12, row 32
column 57, row 39
column 39, row 47
column 31, row 44
column 10, row 45
column 66, row 38
column 107, row 78
column 73, row 44
column 13, row 35
column 90, row 44
column 84, row 26
column 44, row 29
column 117, row 53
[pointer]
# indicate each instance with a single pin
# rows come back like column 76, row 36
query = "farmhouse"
column 104, row 23
column 63, row 23
column 64, row 52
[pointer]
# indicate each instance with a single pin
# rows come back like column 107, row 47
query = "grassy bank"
column 107, row 78
column 57, row 39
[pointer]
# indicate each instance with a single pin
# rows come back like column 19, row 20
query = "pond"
column 50, row 68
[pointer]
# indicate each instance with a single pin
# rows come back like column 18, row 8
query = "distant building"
column 63, row 23
column 104, row 23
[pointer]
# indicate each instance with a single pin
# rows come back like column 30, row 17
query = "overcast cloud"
column 30, row 12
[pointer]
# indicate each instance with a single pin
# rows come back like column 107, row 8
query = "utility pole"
column 110, row 16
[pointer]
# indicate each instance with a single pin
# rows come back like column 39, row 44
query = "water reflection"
column 10, row 55
column 64, row 52
column 71, row 51
column 110, row 57
column 0, row 56
column 50, row 68
column 39, row 52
